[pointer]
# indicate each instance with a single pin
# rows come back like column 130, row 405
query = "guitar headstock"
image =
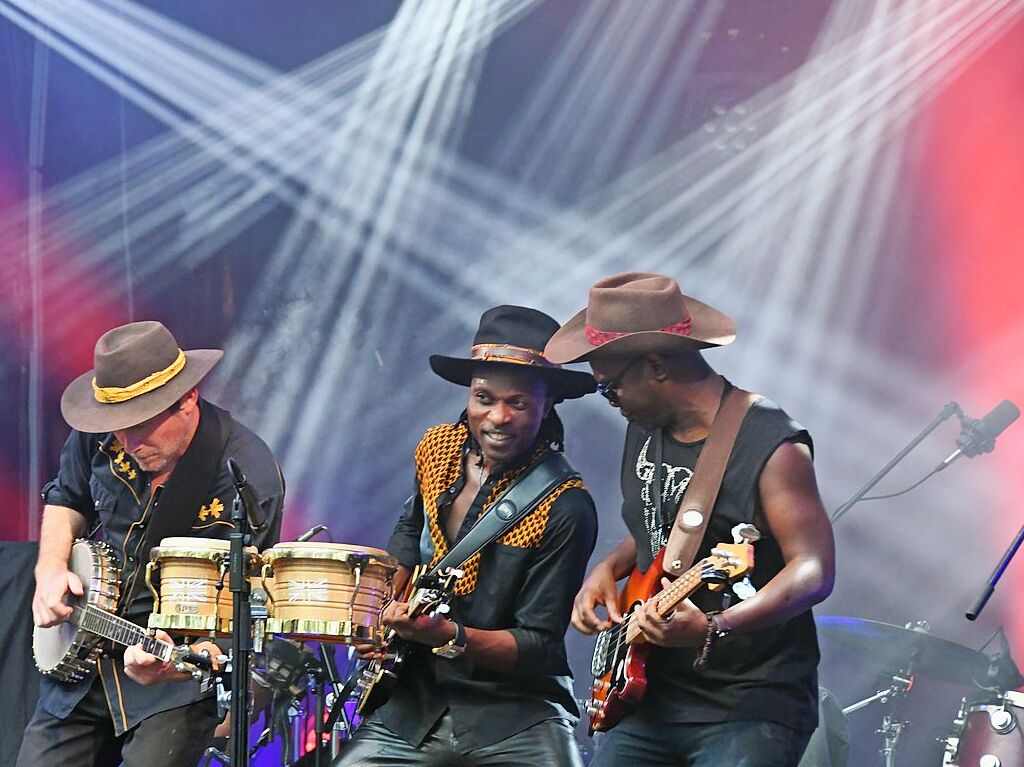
column 727, row 562
column 198, row 664
column 433, row 592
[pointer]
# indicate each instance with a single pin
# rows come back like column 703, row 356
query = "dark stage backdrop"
column 331, row 192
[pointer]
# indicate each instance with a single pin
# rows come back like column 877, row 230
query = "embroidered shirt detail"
column 214, row 509
column 122, row 464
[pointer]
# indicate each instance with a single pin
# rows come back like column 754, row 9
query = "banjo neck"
column 119, row 630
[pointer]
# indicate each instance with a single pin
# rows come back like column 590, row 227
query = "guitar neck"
column 119, row 630
column 665, row 601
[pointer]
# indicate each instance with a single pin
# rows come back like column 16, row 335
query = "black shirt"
column 105, row 484
column 768, row 674
column 527, row 591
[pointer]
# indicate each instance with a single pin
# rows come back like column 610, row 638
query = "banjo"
column 68, row 652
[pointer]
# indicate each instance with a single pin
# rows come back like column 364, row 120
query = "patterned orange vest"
column 439, row 465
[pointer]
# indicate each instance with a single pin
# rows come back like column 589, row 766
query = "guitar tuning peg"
column 745, row 533
column 744, row 589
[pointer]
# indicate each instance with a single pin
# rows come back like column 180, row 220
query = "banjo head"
column 65, row 652
column 51, row 645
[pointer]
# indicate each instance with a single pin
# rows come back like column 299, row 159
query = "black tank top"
column 769, row 674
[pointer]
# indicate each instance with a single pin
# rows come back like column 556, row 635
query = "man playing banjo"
column 146, row 460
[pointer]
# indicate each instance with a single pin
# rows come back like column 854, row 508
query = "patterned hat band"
column 110, row 394
column 599, row 337
column 514, row 354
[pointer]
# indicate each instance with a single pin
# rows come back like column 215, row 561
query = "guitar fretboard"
column 681, row 588
column 117, row 629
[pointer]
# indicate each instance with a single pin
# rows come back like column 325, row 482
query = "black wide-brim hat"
column 139, row 372
column 514, row 337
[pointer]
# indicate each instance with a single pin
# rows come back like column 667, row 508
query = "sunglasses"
column 609, row 389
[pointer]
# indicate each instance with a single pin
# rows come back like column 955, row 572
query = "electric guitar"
column 620, row 654
column 69, row 651
column 426, row 595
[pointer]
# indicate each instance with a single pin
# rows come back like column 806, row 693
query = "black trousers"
column 548, row 743
column 175, row 738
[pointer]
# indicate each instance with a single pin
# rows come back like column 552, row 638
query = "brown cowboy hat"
column 140, row 371
column 514, row 336
column 635, row 313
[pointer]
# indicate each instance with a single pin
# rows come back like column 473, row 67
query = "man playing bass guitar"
column 725, row 685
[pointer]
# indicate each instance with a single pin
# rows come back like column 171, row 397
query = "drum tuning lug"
column 1002, row 721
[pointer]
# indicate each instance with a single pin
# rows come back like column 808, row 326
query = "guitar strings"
column 615, row 633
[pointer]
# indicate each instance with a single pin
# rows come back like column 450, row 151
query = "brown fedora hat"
column 638, row 312
column 514, row 336
column 139, row 372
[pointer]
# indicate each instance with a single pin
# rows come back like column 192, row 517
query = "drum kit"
column 328, row 593
column 988, row 730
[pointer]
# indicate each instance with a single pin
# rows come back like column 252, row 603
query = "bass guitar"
column 69, row 651
column 620, row 655
column 427, row 595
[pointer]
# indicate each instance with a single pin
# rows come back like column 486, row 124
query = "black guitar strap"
column 549, row 472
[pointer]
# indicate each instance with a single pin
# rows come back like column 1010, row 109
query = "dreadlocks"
column 551, row 431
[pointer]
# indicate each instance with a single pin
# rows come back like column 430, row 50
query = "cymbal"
column 903, row 648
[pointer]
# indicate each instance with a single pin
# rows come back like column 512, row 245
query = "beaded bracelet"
column 714, row 632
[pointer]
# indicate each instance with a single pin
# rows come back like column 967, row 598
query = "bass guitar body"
column 619, row 667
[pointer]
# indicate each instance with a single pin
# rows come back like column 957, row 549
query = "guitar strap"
column 698, row 502
column 550, row 471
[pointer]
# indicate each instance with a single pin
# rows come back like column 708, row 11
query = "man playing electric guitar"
column 489, row 679
column 727, row 683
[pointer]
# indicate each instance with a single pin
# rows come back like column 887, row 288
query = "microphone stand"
column 241, row 640
column 947, row 412
column 993, row 579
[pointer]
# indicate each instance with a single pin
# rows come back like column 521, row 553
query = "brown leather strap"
column 698, row 501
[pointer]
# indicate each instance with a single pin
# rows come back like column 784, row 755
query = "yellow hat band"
column 110, row 394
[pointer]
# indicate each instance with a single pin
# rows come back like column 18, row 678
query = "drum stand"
column 331, row 722
column 241, row 633
column 890, row 731
column 891, row 728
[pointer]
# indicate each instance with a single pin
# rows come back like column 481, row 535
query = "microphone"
column 315, row 530
column 979, row 436
column 252, row 507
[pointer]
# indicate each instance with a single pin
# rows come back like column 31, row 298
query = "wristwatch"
column 455, row 646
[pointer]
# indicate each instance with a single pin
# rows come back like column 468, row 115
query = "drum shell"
column 190, row 570
column 328, row 592
column 988, row 727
